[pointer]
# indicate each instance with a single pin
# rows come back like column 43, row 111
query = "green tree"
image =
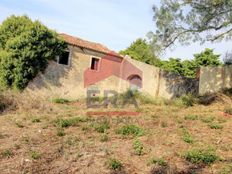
column 25, row 49
column 172, row 65
column 192, row 20
column 188, row 68
column 140, row 50
column 207, row 58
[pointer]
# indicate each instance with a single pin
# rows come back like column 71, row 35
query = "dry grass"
column 44, row 137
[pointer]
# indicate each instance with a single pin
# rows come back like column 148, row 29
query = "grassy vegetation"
column 130, row 130
column 64, row 123
column 138, row 147
column 205, row 156
column 159, row 161
column 7, row 153
column 35, row 155
column 187, row 137
column 215, row 126
column 191, row 117
column 115, row 164
column 65, row 138
column 60, row 100
column 102, row 127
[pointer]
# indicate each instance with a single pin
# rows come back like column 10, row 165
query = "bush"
column 205, row 156
column 138, row 147
column 130, row 130
column 26, row 46
column 114, row 164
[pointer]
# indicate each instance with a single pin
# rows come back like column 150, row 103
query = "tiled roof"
column 87, row 44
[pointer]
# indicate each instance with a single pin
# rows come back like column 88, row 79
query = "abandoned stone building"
column 88, row 65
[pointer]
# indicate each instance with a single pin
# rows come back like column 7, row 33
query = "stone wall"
column 214, row 79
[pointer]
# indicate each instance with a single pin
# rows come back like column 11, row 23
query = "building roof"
column 88, row 45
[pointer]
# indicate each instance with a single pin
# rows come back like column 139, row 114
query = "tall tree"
column 25, row 48
column 192, row 20
column 141, row 50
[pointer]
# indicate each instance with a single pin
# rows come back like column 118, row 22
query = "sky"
column 113, row 23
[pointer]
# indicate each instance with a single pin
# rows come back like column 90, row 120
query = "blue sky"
column 114, row 23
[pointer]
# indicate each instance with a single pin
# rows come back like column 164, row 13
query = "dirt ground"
column 35, row 138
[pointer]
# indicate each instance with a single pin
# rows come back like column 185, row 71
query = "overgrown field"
column 60, row 136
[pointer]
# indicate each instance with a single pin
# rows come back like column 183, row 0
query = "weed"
column 102, row 127
column 60, row 100
column 104, row 138
column 191, row 117
column 130, row 130
column 208, row 119
column 115, row 164
column 35, row 155
column 197, row 156
column 7, row 153
column 138, row 147
column 60, row 132
column 215, row 126
column 187, row 137
column 188, row 100
column 64, row 123
column 159, row 161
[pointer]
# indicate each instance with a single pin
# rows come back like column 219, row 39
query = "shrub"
column 26, row 46
column 138, row 147
column 191, row 117
column 60, row 100
column 114, row 164
column 130, row 130
column 205, row 156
